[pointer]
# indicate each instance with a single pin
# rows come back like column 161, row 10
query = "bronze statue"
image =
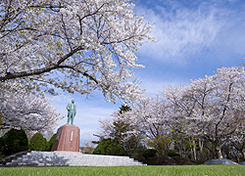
column 71, row 108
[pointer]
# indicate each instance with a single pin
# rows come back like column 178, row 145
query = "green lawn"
column 186, row 170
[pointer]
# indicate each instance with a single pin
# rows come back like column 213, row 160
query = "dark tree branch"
column 39, row 71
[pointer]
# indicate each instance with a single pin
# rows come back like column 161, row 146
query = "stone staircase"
column 40, row 158
column 12, row 157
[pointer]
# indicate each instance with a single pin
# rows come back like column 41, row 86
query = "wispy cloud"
column 182, row 33
column 185, row 33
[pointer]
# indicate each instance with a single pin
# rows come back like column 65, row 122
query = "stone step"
column 12, row 157
column 40, row 158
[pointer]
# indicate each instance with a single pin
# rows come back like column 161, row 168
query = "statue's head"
column 73, row 101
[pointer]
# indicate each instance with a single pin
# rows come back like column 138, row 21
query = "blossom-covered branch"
column 89, row 43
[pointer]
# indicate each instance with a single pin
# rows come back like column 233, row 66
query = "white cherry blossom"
column 211, row 108
column 75, row 45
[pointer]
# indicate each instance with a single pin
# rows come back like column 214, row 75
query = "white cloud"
column 182, row 33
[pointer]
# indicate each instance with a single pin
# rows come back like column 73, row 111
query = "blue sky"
column 194, row 38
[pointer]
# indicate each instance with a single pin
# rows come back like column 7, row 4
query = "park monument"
column 68, row 136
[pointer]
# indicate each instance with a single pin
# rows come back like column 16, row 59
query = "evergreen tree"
column 14, row 141
column 108, row 147
column 50, row 143
column 38, row 142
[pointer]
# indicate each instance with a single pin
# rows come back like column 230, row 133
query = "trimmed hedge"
column 38, row 142
column 149, row 153
column 108, row 147
column 14, row 141
column 172, row 153
column 50, row 143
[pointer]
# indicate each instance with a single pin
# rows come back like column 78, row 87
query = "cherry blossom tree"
column 211, row 108
column 151, row 114
column 28, row 112
column 238, row 140
column 120, row 127
column 75, row 45
column 20, row 109
column 106, row 128
column 149, row 119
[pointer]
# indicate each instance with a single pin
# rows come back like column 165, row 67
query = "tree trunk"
column 194, row 150
column 180, row 150
column 237, row 158
column 243, row 155
column 218, row 152
column 191, row 152
column 201, row 148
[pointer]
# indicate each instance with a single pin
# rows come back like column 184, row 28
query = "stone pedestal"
column 67, row 139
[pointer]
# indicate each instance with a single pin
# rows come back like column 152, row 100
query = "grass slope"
column 202, row 170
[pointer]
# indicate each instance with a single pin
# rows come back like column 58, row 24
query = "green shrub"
column 115, row 149
column 101, row 146
column 172, row 153
column 149, row 153
column 108, row 147
column 14, row 141
column 87, row 149
column 136, row 153
column 38, row 142
column 50, row 143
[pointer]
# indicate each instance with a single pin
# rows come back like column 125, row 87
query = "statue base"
column 67, row 139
